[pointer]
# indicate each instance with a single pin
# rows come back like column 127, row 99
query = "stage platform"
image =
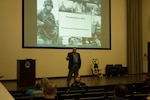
column 11, row 85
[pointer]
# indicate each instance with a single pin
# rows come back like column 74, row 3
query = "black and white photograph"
column 69, row 23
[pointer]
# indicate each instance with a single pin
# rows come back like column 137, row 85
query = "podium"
column 25, row 73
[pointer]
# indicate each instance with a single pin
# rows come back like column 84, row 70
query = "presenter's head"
column 74, row 49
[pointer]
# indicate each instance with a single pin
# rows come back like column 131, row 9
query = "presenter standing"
column 74, row 64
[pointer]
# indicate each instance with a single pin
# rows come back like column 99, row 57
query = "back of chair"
column 36, row 96
column 119, row 69
column 109, row 68
column 93, row 98
column 70, row 96
column 118, row 66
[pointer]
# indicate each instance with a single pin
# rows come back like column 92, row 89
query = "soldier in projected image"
column 47, row 28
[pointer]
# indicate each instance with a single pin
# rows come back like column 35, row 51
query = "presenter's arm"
column 79, row 60
column 67, row 58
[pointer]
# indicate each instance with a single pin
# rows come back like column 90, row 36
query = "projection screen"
column 65, row 24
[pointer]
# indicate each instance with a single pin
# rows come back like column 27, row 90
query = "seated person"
column 147, row 78
column 148, row 87
column 38, row 87
column 77, row 84
column 146, row 83
column 31, row 90
column 120, row 92
column 50, row 91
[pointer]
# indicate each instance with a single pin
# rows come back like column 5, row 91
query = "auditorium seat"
column 110, row 70
column 109, row 94
column 95, row 94
column 37, row 98
column 95, row 89
column 23, row 98
column 62, row 89
column 119, row 69
column 93, row 98
column 139, row 96
column 70, row 96
column 137, row 87
column 36, row 95
column 17, row 93
column 77, row 91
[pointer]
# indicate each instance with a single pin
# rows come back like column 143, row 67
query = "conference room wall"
column 145, row 31
column 51, row 62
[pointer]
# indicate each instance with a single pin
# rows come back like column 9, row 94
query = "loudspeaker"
column 148, row 57
column 26, row 72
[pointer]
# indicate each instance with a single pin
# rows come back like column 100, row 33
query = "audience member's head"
column 77, row 81
column 50, row 90
column 44, row 82
column 148, row 88
column 38, row 85
column 120, row 90
column 147, row 77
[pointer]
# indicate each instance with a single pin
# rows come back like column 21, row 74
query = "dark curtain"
column 134, row 36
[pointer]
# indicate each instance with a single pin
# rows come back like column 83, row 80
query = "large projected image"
column 66, row 24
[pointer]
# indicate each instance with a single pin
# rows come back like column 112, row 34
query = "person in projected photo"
column 74, row 64
column 96, row 9
column 96, row 32
column 47, row 28
column 77, row 7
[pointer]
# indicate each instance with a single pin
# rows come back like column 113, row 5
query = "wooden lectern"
column 26, row 72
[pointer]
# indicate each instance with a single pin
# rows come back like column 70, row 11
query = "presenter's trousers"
column 75, row 71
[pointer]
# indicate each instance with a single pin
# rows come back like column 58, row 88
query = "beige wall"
column 145, row 31
column 51, row 62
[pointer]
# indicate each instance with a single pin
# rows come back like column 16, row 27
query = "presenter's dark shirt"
column 72, row 61
column 75, row 58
